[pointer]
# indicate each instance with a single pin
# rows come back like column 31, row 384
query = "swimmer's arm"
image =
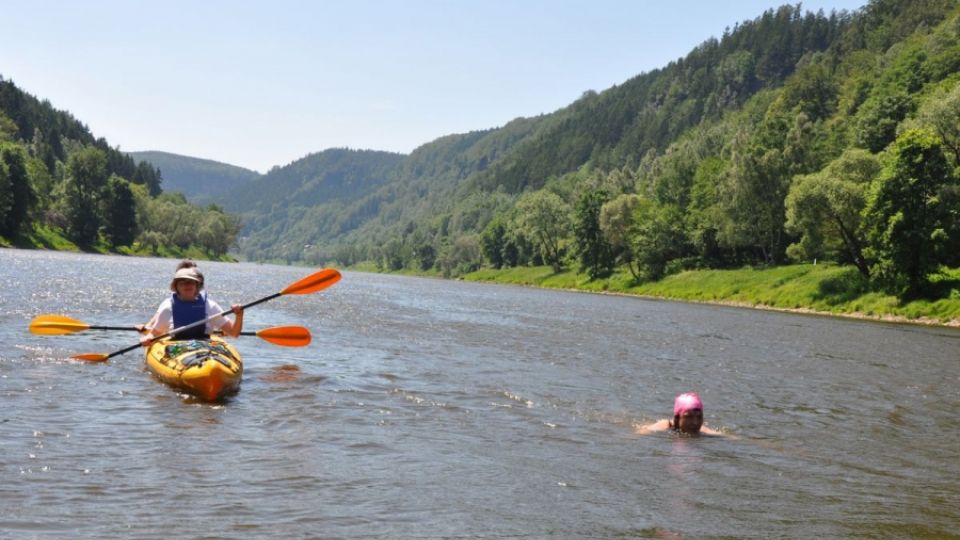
column 660, row 425
column 704, row 430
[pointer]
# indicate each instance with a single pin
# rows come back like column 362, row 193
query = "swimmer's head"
column 687, row 402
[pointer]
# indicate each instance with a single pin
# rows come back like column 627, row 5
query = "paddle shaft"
column 93, row 327
column 177, row 330
column 195, row 324
column 135, row 329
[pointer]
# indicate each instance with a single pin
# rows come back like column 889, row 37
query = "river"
column 440, row 409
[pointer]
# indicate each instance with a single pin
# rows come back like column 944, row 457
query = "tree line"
column 837, row 140
column 55, row 174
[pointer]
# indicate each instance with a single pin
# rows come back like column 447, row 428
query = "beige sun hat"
column 186, row 273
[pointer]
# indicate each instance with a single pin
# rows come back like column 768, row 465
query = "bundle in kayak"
column 209, row 369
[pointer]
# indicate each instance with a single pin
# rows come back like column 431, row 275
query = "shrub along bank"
column 810, row 288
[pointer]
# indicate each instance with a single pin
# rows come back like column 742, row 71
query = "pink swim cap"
column 687, row 402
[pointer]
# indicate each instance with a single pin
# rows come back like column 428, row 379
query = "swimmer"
column 687, row 418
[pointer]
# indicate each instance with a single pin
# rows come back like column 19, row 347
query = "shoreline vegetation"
column 825, row 289
column 47, row 238
column 815, row 289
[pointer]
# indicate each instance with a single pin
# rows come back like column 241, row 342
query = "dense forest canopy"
column 203, row 181
column 54, row 174
column 781, row 141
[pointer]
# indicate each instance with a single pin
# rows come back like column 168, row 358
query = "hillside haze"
column 203, row 181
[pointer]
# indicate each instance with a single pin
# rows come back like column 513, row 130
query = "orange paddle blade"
column 56, row 325
column 91, row 357
column 286, row 336
column 314, row 282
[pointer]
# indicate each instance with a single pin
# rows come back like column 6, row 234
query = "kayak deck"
column 209, row 369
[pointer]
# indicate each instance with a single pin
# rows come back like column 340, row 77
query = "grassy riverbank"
column 822, row 288
column 47, row 238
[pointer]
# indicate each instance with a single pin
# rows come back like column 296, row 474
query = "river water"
column 441, row 409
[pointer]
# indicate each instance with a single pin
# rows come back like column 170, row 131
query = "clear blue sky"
column 259, row 84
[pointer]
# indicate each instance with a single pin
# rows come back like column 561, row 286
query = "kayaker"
column 186, row 263
column 687, row 418
column 187, row 305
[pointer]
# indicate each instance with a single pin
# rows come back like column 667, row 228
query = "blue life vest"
column 185, row 313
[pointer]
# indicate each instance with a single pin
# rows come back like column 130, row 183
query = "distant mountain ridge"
column 203, row 181
column 321, row 177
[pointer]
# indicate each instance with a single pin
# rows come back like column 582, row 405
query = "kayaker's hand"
column 238, row 319
column 141, row 328
column 146, row 340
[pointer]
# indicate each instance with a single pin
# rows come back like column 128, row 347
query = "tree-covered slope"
column 203, row 181
column 63, row 188
column 333, row 174
column 322, row 210
column 50, row 131
column 794, row 136
column 457, row 184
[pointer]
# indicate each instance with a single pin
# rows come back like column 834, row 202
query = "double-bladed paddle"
column 314, row 282
column 58, row 325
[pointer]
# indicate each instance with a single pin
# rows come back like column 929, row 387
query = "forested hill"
column 307, row 199
column 203, row 181
column 323, row 177
column 52, row 134
column 63, row 188
column 772, row 143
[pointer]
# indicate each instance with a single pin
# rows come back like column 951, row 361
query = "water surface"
column 440, row 409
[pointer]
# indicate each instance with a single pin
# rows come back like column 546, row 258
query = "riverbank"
column 825, row 289
column 50, row 239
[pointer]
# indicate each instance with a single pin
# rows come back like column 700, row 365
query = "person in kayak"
column 687, row 418
column 188, row 304
column 186, row 263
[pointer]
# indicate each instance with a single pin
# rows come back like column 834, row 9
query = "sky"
column 259, row 84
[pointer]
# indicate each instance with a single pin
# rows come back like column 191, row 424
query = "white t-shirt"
column 163, row 318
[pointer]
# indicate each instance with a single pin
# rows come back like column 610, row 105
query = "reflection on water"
column 434, row 409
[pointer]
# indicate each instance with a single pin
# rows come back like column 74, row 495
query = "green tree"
column 43, row 184
column 393, row 255
column 426, row 255
column 84, row 184
column 462, row 257
column 21, row 195
column 825, row 208
column 751, row 199
column 119, row 212
column 941, row 113
column 6, row 194
column 878, row 119
column 544, row 217
column 906, row 221
column 149, row 176
column 493, row 242
column 596, row 254
column 704, row 214
column 616, row 223
column 656, row 238
column 217, row 230
column 8, row 129
column 812, row 90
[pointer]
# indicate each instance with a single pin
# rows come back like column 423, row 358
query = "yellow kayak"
column 209, row 369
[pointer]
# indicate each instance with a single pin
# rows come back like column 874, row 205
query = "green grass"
column 43, row 237
column 822, row 288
